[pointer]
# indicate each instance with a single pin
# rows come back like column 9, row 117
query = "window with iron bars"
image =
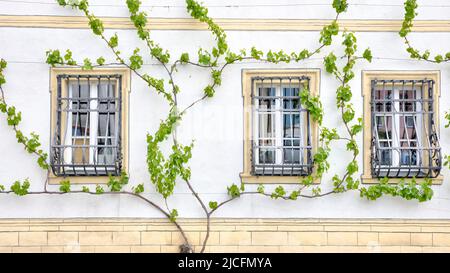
column 405, row 142
column 87, row 136
column 281, row 127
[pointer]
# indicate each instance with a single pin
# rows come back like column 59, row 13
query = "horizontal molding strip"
column 78, row 22
column 264, row 222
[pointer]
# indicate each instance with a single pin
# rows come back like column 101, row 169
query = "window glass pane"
column 106, row 96
column 80, row 101
column 385, row 154
column 266, row 156
column 291, row 126
column 408, row 156
column 407, row 127
column 292, row 155
column 296, row 122
column 106, row 123
column 383, row 100
column 105, row 154
column 287, row 126
column 266, row 102
column 80, row 154
column 407, row 103
column 388, row 100
column 384, row 127
column 266, row 128
column 294, row 101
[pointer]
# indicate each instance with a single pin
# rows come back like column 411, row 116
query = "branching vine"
column 166, row 169
column 408, row 20
column 31, row 143
column 407, row 24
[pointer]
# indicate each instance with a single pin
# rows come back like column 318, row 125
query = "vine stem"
column 173, row 102
column 14, row 126
column 146, row 200
column 209, row 213
column 337, row 186
column 407, row 24
column 202, row 204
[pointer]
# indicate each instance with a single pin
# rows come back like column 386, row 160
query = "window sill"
column 247, row 178
column 56, row 180
column 368, row 179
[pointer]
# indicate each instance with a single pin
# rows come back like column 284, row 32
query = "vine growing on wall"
column 31, row 143
column 168, row 169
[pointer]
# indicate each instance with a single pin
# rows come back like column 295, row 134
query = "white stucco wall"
column 216, row 124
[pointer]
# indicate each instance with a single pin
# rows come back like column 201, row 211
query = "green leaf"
column 136, row 60
column 116, row 183
column 87, row 64
column 54, row 57
column 234, row 191
column 204, row 57
column 327, row 33
column 114, row 41
column 217, row 76
column 21, row 189
column 355, row 129
column 312, row 104
column 184, row 58
column 260, row 189
column 316, row 191
column 68, row 58
column 256, row 54
column 294, row 195
column 209, row 91
column 133, row 5
column 64, row 186
column 278, row 192
column 101, row 61
column 99, row 189
column 173, row 215
column 439, row 58
column 213, row 204
column 138, row 189
column 3, row 64
column 330, row 63
column 368, row 55
column 96, row 25
column 352, row 167
column 340, row 5
column 410, row 14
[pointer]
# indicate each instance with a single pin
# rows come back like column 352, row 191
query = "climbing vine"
column 411, row 13
column 408, row 20
column 166, row 169
column 31, row 143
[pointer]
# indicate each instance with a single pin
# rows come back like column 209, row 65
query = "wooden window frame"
column 247, row 75
column 367, row 76
column 126, row 83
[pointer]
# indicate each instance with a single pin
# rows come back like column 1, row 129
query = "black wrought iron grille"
column 281, row 127
column 87, row 136
column 405, row 142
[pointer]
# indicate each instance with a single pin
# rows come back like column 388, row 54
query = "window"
column 89, row 123
column 401, row 125
column 279, row 133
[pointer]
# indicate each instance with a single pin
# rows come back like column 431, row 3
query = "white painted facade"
column 217, row 123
